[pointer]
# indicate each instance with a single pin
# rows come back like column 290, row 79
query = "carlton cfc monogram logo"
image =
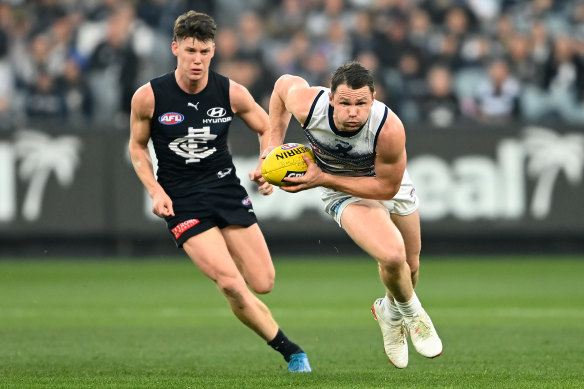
column 216, row 112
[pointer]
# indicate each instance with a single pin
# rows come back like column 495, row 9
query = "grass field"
column 505, row 323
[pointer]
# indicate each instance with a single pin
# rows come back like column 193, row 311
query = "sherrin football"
column 285, row 161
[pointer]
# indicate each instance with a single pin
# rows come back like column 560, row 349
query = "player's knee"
column 263, row 286
column 392, row 259
column 262, row 282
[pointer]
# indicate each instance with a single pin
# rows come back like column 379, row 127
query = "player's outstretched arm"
column 254, row 116
column 140, row 116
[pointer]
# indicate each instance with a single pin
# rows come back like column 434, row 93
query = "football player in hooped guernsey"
column 359, row 144
column 187, row 114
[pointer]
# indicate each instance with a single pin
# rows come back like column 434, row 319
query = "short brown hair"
column 355, row 75
column 196, row 25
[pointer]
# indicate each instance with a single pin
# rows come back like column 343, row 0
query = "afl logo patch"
column 289, row 146
column 246, row 201
column 216, row 112
column 171, row 118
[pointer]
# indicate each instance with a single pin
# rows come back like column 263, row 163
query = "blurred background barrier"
column 488, row 189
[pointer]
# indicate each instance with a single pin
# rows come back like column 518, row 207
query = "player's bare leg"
column 368, row 223
column 209, row 252
column 409, row 228
column 420, row 325
column 381, row 239
column 385, row 309
column 214, row 252
column 248, row 249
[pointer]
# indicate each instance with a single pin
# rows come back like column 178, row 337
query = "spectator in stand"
column 497, row 97
column 447, row 51
column 521, row 63
column 285, row 19
column 440, row 106
column 251, row 37
column 504, row 30
column 113, row 67
column 77, row 94
column 391, row 41
column 290, row 57
column 477, row 51
column 226, row 48
column 318, row 20
column 362, row 34
column 413, row 83
column 564, row 70
column 35, row 59
column 541, row 43
column 420, row 31
column 60, row 34
column 457, row 21
column 337, row 46
column 44, row 102
column 315, row 67
column 563, row 78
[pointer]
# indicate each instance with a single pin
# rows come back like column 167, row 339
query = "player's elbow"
column 388, row 192
column 281, row 84
column 286, row 83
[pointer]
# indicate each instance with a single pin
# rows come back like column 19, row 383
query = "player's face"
column 193, row 57
column 351, row 107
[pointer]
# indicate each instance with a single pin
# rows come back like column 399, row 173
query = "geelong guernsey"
column 189, row 133
column 342, row 152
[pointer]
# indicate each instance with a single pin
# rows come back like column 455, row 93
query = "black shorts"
column 221, row 206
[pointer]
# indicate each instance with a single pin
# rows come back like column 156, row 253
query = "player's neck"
column 191, row 86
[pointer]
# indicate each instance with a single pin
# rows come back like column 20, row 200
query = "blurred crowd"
column 437, row 63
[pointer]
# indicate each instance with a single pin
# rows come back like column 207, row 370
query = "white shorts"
column 404, row 203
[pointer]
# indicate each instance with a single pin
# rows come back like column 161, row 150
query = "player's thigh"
column 249, row 250
column 369, row 225
column 208, row 250
column 409, row 227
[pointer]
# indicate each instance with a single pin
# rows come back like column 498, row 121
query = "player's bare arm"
column 390, row 164
column 254, row 116
column 291, row 96
column 142, row 111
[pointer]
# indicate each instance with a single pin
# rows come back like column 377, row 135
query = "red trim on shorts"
column 182, row 227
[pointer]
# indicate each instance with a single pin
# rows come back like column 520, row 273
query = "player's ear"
column 374, row 94
column 331, row 97
column 174, row 47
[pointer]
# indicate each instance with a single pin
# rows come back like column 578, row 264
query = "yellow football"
column 285, row 161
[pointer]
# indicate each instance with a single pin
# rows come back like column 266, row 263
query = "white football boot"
column 423, row 334
column 394, row 335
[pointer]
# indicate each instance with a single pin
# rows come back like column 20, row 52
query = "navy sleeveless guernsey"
column 189, row 133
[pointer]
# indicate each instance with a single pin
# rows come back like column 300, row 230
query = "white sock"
column 393, row 312
column 410, row 308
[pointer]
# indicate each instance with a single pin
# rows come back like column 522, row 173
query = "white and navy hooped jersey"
column 342, row 152
column 189, row 133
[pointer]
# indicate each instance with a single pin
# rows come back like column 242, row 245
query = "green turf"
column 505, row 323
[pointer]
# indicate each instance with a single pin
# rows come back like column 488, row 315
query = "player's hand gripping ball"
column 285, row 161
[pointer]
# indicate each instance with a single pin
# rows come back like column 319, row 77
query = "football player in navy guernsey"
column 187, row 113
column 359, row 144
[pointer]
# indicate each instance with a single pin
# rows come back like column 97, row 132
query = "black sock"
column 284, row 345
